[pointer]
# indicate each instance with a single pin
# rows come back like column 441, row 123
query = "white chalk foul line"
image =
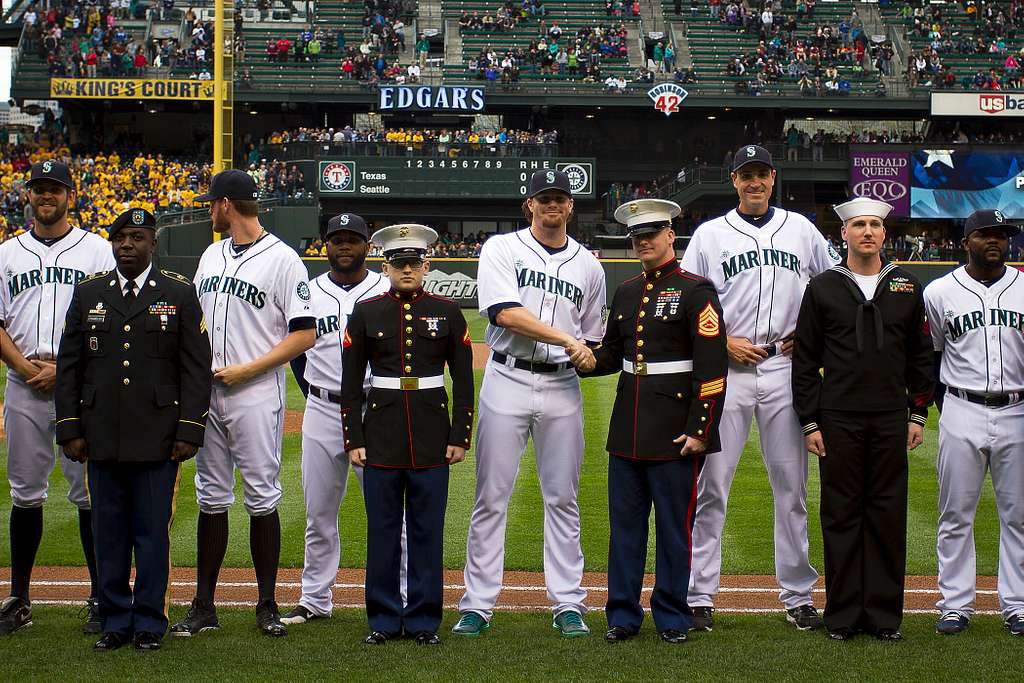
column 454, row 606
column 459, row 586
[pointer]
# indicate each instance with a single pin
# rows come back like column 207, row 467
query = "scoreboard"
column 488, row 177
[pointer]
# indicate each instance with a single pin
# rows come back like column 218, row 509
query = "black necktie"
column 129, row 292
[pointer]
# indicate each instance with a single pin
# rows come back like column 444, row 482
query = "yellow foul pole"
column 223, row 86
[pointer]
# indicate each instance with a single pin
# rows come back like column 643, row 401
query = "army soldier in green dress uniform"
column 666, row 335
column 133, row 390
column 405, row 441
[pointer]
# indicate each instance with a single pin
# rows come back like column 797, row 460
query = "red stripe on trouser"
column 691, row 508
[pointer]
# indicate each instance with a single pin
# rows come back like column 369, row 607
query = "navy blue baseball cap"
column 989, row 218
column 51, row 170
column 751, row 154
column 231, row 184
column 348, row 222
column 549, row 179
column 132, row 218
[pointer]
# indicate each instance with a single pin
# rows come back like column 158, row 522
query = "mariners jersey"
column 39, row 281
column 565, row 290
column 760, row 272
column 979, row 330
column 248, row 299
column 332, row 305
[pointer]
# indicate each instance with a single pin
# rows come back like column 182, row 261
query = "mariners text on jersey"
column 548, row 283
column 766, row 258
column 19, row 282
column 997, row 317
column 326, row 325
column 235, row 287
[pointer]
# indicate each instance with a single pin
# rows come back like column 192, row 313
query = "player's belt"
column 990, row 401
column 532, row 366
column 324, row 395
column 665, row 367
column 773, row 349
column 407, row 383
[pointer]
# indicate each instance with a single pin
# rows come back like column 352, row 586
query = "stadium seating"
column 713, row 43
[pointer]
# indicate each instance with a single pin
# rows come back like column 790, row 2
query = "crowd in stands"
column 84, row 39
column 412, row 141
column 993, row 30
column 554, row 52
column 107, row 183
column 794, row 47
column 278, row 180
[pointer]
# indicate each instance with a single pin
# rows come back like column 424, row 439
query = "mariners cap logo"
column 343, row 219
column 998, row 215
column 751, row 152
column 551, row 176
column 47, row 166
column 138, row 217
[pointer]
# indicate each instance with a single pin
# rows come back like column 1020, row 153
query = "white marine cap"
column 405, row 240
column 862, row 206
column 642, row 216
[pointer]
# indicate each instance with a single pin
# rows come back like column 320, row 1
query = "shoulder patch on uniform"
column 94, row 276
column 177, row 276
column 707, row 322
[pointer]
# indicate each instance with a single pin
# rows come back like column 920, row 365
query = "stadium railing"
column 295, row 151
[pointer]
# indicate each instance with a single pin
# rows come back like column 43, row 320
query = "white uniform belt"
column 408, row 383
column 667, row 367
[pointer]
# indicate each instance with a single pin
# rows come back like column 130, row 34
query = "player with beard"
column 324, row 460
column 41, row 268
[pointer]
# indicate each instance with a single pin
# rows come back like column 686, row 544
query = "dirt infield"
column 523, row 590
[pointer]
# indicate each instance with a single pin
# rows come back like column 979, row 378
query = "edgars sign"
column 426, row 98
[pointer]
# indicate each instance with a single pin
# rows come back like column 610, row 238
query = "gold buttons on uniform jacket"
column 127, row 346
column 380, row 334
column 407, row 306
column 408, row 356
column 408, row 368
column 657, row 273
column 703, row 419
column 649, row 286
column 408, row 342
column 408, row 317
column 679, row 394
column 127, row 381
column 643, row 313
column 639, row 357
column 705, row 405
column 647, row 299
column 408, row 330
column 127, row 328
column 700, row 432
column 126, row 363
column 639, row 342
column 639, row 328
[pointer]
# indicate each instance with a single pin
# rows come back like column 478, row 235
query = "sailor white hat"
column 405, row 240
column 862, row 206
column 646, row 215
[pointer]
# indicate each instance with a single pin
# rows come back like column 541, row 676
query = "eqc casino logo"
column 337, row 176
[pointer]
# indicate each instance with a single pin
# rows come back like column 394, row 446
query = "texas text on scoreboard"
column 447, row 178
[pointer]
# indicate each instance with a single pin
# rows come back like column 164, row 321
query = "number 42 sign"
column 667, row 97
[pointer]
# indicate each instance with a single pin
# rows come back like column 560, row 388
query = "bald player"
column 41, row 268
column 544, row 295
column 760, row 259
column 255, row 297
column 976, row 318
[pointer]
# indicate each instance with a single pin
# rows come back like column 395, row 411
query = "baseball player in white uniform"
column 324, row 460
column 760, row 259
column 544, row 295
column 256, row 304
column 976, row 318
column 40, row 270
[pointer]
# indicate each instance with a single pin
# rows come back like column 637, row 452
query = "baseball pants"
column 244, row 431
column 515, row 405
column 764, row 393
column 394, row 496
column 974, row 439
column 325, row 467
column 30, row 424
column 633, row 486
column 864, row 518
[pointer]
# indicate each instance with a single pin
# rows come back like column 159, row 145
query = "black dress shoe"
column 376, row 638
column 888, row 634
column 147, row 641
column 427, row 638
column 110, row 641
column 673, row 636
column 841, row 633
column 617, row 634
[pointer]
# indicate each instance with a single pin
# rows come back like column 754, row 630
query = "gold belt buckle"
column 640, row 368
column 410, row 383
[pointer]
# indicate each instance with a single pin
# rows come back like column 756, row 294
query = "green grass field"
column 747, row 543
column 522, row 645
